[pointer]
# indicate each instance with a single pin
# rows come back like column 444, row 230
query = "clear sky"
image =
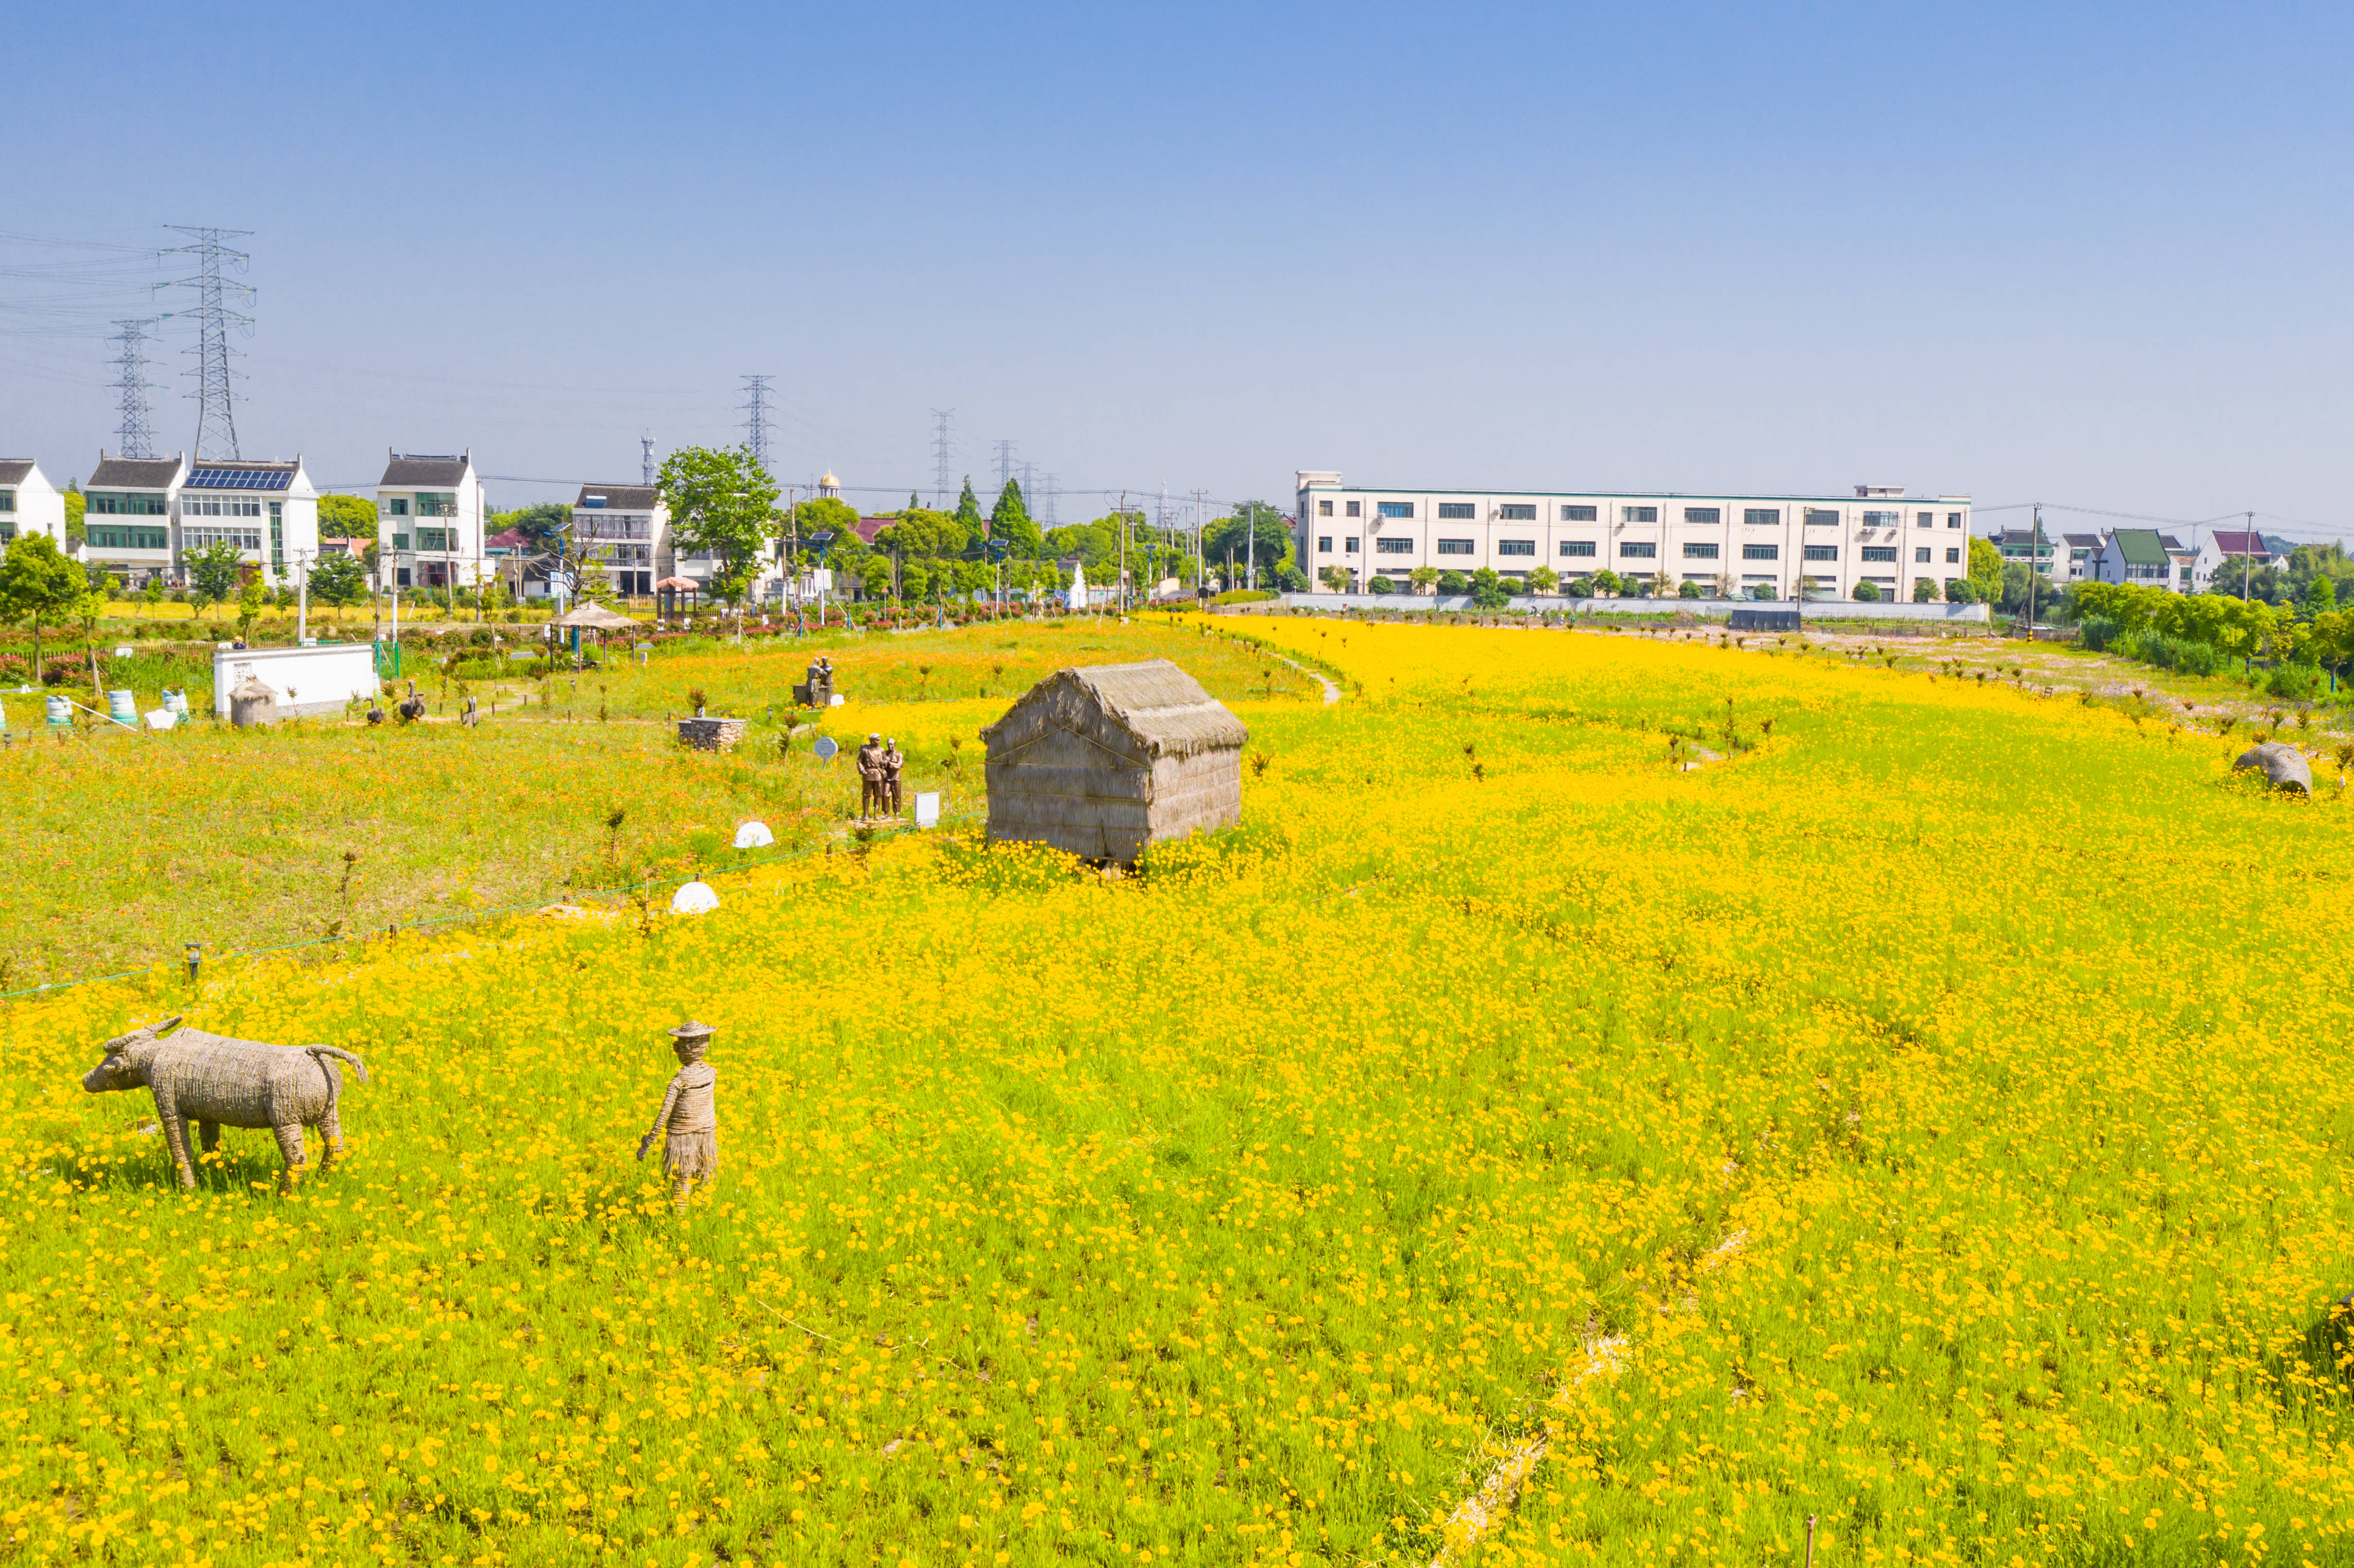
column 2094, row 256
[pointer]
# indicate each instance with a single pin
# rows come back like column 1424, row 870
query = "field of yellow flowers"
column 1615, row 1099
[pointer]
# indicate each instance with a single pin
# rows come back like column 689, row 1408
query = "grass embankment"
column 1926, row 1118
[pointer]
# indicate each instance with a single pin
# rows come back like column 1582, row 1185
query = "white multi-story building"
column 29, row 504
column 1733, row 545
column 430, row 514
column 127, row 514
column 268, row 510
column 625, row 528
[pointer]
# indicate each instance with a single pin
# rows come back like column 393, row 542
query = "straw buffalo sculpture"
column 216, row 1082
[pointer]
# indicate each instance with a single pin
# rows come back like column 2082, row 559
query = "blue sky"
column 2092, row 256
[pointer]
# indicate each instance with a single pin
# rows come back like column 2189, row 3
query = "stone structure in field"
column 216, row 1081
column 1105, row 759
column 2284, row 766
column 700, row 734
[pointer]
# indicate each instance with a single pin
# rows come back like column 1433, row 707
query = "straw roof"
column 591, row 616
column 1163, row 708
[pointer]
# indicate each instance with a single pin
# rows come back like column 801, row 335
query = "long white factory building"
column 1732, row 544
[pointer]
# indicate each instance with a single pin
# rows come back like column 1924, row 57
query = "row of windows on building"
column 428, row 539
column 429, row 503
column 1637, row 549
column 222, row 506
column 1752, row 517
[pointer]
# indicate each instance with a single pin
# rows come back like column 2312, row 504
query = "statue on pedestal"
column 688, row 1122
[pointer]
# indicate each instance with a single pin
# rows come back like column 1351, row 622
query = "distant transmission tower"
column 1004, row 463
column 216, row 412
column 646, row 460
column 134, row 436
column 943, row 453
column 757, row 423
column 1054, row 487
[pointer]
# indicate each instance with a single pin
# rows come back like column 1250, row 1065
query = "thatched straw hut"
column 1103, row 760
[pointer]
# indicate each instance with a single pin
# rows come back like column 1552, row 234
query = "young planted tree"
column 338, row 579
column 39, row 583
column 212, row 572
column 1009, row 520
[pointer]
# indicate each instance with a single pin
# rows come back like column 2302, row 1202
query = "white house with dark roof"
column 268, row 510
column 128, row 514
column 429, row 512
column 2072, row 562
column 29, row 504
column 2231, row 554
column 625, row 528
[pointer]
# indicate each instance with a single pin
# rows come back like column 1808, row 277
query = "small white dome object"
column 754, row 835
column 693, row 898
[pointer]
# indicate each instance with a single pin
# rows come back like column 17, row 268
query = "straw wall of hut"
column 1103, row 759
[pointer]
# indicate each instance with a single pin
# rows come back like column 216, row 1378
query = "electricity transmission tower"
column 134, row 436
column 757, row 426
column 1004, row 463
column 1053, row 489
column 215, row 413
column 943, row 454
column 646, row 459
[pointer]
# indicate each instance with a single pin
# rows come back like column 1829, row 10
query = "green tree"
column 1009, row 520
column 1923, row 591
column 1489, row 590
column 1986, row 569
column 2321, row 596
column 967, row 512
column 541, row 526
column 212, row 572
column 1256, row 532
column 1867, row 593
column 922, row 534
column 1544, row 580
column 347, row 517
column 39, row 583
column 1424, row 578
column 77, row 503
column 723, row 504
column 249, row 601
column 338, row 579
column 1605, row 582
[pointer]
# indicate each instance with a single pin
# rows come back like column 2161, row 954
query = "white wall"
column 318, row 680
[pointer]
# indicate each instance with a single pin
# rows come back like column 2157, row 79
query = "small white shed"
column 315, row 680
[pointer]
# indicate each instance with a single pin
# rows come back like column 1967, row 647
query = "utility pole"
column 135, row 434
column 2034, row 534
column 2247, row 555
column 215, row 411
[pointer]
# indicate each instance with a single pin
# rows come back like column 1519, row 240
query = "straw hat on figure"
column 688, row 1122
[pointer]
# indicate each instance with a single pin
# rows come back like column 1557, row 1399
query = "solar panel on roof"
column 239, row 479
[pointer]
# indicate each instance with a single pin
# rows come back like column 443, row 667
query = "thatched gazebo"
column 589, row 616
column 1103, row 760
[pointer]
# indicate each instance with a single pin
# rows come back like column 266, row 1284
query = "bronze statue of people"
column 894, row 764
column 870, row 776
column 688, row 1122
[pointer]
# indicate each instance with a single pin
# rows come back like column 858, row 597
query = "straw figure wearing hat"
column 688, row 1122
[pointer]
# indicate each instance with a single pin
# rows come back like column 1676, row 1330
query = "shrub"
column 1454, row 582
column 1689, row 591
column 1761, row 590
column 1867, row 593
column 1383, row 585
column 1961, row 590
column 2098, row 632
column 1923, row 591
column 1578, row 588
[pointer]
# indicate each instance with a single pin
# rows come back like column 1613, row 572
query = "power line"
column 758, row 425
column 134, row 435
column 216, row 409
